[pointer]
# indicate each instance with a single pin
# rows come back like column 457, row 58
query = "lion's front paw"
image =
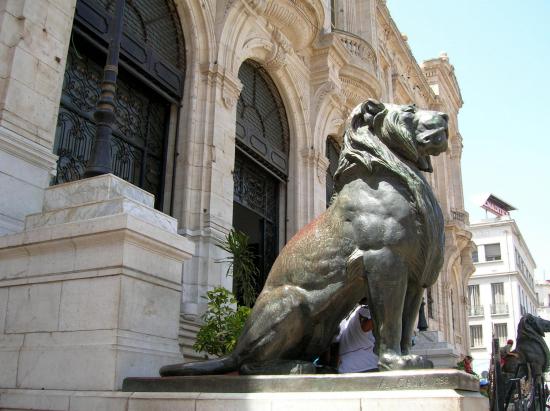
column 392, row 361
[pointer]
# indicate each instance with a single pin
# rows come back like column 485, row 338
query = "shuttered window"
column 476, row 336
column 501, row 332
column 492, row 252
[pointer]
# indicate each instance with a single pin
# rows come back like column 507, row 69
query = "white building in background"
column 543, row 310
column 502, row 288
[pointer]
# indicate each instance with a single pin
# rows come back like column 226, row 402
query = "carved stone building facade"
column 229, row 111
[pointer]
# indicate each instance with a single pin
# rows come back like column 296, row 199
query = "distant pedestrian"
column 468, row 364
column 504, row 351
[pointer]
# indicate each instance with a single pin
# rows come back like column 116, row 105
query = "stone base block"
column 379, row 381
column 90, row 292
column 411, row 400
column 89, row 360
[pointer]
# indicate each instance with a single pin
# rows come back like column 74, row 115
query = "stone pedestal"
column 421, row 390
column 90, row 290
column 431, row 345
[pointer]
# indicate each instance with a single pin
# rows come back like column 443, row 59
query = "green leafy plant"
column 224, row 319
column 223, row 323
column 241, row 265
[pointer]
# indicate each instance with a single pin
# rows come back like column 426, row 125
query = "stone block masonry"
column 90, row 292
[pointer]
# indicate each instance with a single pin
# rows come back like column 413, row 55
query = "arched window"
column 151, row 72
column 261, row 164
column 262, row 126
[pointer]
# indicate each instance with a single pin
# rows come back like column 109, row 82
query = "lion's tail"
column 209, row 367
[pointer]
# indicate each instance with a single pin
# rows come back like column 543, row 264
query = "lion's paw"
column 391, row 361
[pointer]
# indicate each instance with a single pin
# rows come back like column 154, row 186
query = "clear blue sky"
column 501, row 54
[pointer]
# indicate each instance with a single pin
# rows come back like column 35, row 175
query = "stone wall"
column 33, row 44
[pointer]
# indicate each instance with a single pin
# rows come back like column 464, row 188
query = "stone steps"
column 186, row 337
column 432, row 345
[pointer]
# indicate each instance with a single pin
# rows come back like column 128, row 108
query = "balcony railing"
column 499, row 309
column 459, row 216
column 476, row 311
column 358, row 48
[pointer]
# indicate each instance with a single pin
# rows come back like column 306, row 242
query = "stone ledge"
column 412, row 400
column 89, row 211
column 92, row 190
column 382, row 381
column 102, row 225
column 92, row 273
column 29, row 151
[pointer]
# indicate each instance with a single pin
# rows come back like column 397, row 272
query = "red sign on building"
column 496, row 206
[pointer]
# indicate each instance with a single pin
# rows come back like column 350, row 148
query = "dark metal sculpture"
column 530, row 346
column 524, row 368
column 531, row 349
column 381, row 238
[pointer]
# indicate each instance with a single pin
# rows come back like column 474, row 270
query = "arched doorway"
column 261, row 165
column 150, row 82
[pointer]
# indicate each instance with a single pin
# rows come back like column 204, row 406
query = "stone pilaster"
column 34, row 38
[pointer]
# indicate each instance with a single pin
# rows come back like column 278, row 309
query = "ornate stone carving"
column 299, row 20
column 327, row 89
column 280, row 49
column 357, row 47
column 231, row 89
column 356, row 90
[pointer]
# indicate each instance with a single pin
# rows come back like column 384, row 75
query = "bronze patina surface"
column 530, row 347
column 382, row 238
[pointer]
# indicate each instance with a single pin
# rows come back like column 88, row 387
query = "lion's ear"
column 373, row 107
column 369, row 109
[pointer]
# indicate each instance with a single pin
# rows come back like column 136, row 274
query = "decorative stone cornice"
column 328, row 89
column 27, row 150
column 280, row 50
column 231, row 90
column 394, row 45
column 439, row 71
column 316, row 159
column 359, row 49
column 231, row 87
column 456, row 146
column 258, row 6
column 299, row 20
column 356, row 90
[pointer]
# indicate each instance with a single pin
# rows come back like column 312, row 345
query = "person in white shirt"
column 356, row 343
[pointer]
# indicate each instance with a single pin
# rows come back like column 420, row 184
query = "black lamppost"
column 100, row 158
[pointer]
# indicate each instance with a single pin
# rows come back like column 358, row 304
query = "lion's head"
column 411, row 133
column 529, row 325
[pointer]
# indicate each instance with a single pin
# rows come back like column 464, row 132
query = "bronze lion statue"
column 382, row 239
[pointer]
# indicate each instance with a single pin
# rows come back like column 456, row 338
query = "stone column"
column 206, row 185
column 34, row 36
column 90, row 291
